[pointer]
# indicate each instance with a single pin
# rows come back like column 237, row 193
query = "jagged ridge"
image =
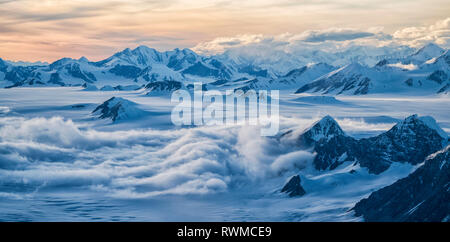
column 409, row 141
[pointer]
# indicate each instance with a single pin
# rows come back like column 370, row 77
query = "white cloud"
column 332, row 39
column 418, row 36
column 296, row 160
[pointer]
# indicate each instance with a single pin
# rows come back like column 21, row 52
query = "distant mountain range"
column 423, row 196
column 426, row 70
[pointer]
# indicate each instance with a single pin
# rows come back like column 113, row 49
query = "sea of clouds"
column 56, row 152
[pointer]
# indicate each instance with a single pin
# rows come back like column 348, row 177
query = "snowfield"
column 60, row 162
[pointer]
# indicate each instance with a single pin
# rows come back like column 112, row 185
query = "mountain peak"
column 187, row 51
column 354, row 66
column 327, row 127
column 142, row 47
column 351, row 69
column 427, row 121
column 125, row 52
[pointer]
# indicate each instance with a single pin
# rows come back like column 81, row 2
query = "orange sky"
column 47, row 30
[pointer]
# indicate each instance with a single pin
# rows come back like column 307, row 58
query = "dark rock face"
column 224, row 70
column 411, row 140
column 126, row 71
column 117, row 108
column 422, row 196
column 75, row 71
column 107, row 111
column 164, row 86
column 444, row 89
column 294, row 188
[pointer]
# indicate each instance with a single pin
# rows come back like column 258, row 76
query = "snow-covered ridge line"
column 426, row 71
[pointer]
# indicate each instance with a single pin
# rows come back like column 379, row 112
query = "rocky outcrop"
column 411, row 140
column 293, row 187
column 163, row 86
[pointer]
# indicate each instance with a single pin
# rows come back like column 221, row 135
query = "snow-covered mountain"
column 293, row 187
column 353, row 78
column 423, row 196
column 411, row 140
column 163, row 87
column 280, row 62
column 388, row 76
column 118, row 109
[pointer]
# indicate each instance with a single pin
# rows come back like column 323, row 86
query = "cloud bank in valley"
column 54, row 152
